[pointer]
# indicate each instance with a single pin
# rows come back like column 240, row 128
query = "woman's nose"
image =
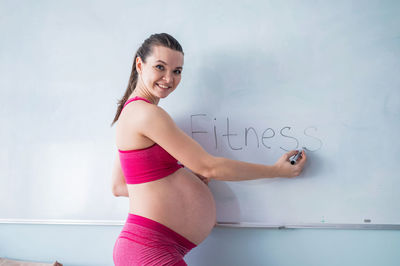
column 168, row 77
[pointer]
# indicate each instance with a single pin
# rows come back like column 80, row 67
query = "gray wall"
column 92, row 245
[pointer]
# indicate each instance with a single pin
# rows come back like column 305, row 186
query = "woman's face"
column 161, row 73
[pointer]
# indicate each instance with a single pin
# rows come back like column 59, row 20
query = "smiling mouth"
column 163, row 86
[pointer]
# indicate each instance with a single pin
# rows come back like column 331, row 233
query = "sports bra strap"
column 135, row 99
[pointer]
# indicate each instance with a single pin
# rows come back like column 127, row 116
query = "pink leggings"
column 146, row 242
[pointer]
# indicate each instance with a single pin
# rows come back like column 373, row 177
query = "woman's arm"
column 231, row 170
column 157, row 125
column 119, row 187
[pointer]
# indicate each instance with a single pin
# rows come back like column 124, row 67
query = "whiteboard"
column 259, row 78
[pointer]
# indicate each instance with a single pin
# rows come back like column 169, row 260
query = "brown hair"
column 159, row 39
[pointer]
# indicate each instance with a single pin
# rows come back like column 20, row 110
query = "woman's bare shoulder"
column 142, row 115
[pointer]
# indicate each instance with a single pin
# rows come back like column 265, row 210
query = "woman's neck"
column 142, row 92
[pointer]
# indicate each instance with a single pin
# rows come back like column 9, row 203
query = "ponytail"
column 131, row 87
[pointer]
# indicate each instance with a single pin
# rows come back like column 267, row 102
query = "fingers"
column 204, row 179
column 289, row 170
column 303, row 159
column 290, row 154
column 301, row 162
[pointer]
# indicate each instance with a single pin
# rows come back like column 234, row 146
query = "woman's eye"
column 160, row 67
column 178, row 71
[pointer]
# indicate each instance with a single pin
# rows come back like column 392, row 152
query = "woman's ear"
column 139, row 65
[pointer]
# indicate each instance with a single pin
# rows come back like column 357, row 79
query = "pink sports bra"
column 148, row 164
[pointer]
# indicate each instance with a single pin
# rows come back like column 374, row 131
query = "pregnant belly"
column 180, row 201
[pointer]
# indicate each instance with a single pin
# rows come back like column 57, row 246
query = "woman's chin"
column 163, row 94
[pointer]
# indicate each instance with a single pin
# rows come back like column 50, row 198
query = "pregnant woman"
column 171, row 209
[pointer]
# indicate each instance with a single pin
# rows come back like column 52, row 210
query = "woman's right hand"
column 286, row 169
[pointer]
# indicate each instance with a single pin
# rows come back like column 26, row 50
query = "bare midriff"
column 180, row 201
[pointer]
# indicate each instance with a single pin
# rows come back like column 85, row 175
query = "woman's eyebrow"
column 166, row 63
column 161, row 61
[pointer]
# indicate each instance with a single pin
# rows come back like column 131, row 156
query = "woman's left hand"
column 202, row 178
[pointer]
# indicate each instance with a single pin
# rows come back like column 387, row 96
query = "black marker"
column 295, row 157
